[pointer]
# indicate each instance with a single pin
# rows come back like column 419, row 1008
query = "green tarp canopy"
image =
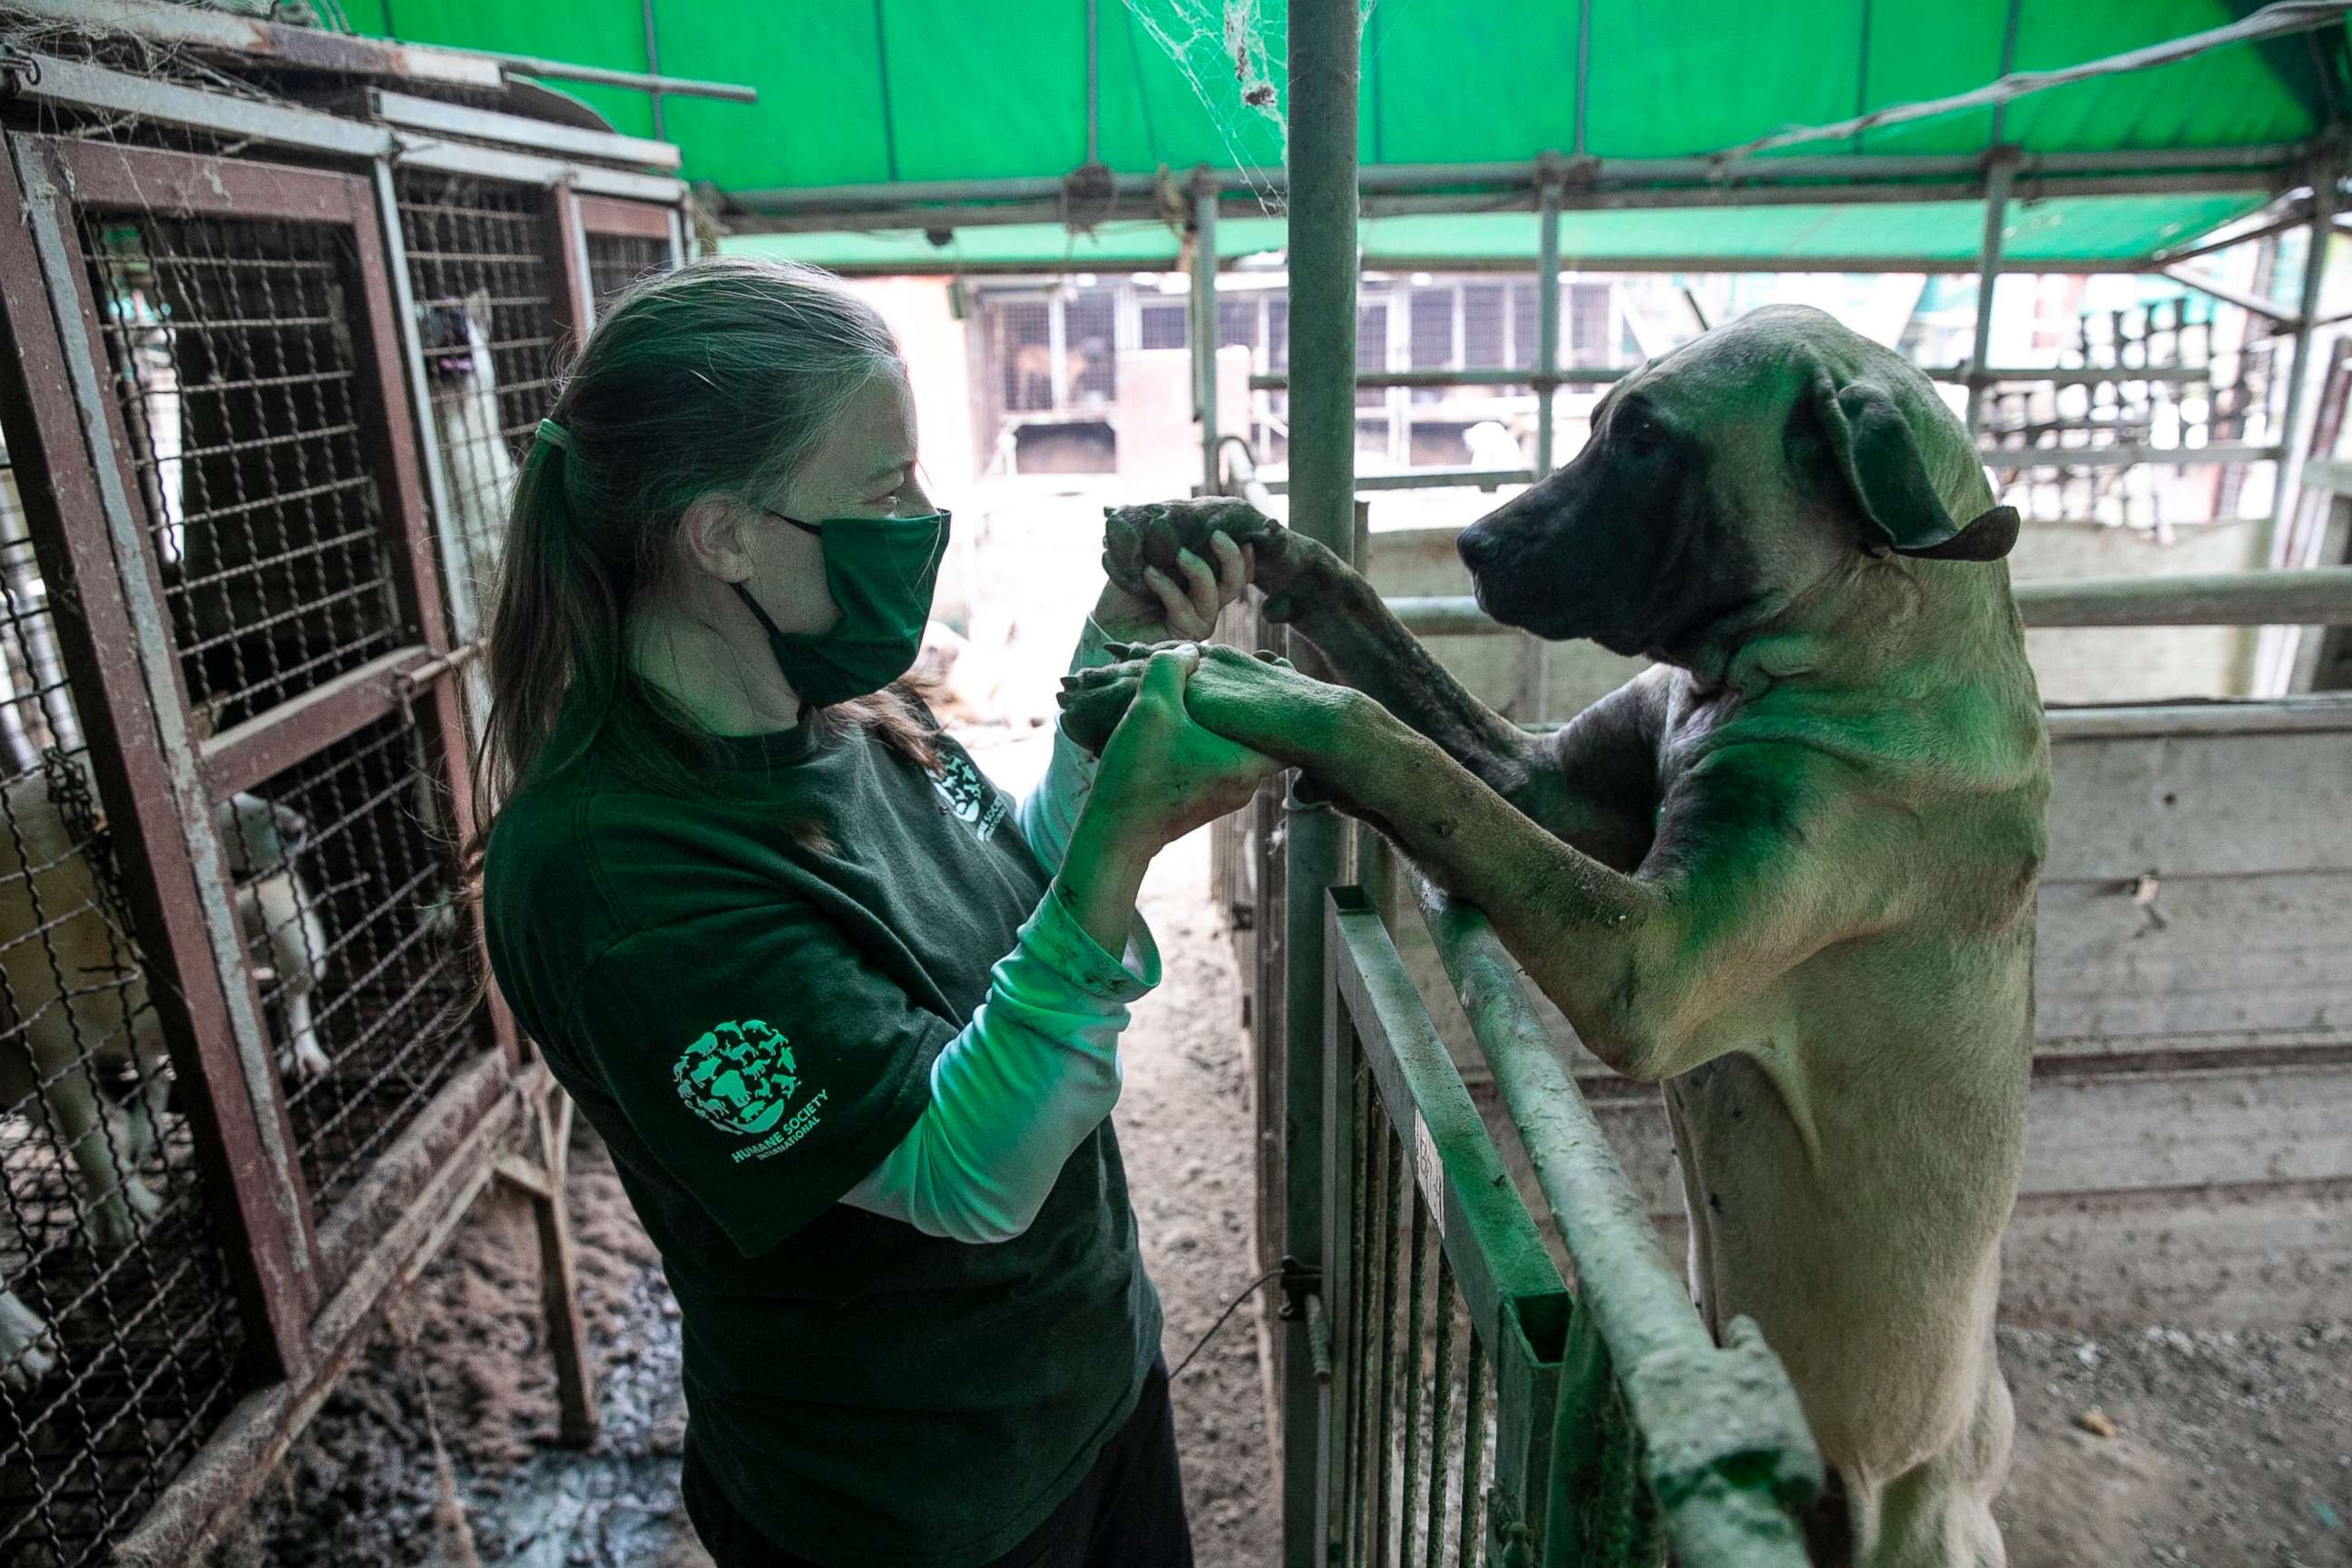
column 899, row 92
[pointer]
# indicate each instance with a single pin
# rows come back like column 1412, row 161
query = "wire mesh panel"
column 362, row 959
column 120, row 1337
column 1162, row 326
column 480, row 270
column 1372, row 350
column 1485, row 325
column 1024, row 334
column 231, row 345
column 1090, row 327
column 617, row 260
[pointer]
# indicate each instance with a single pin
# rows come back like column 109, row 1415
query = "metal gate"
column 1473, row 1410
column 260, row 415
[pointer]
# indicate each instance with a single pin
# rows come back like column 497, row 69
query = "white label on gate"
column 1429, row 1171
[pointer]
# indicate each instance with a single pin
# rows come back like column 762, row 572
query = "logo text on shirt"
column 966, row 793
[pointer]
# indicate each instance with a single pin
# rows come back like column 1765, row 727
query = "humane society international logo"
column 741, row 1077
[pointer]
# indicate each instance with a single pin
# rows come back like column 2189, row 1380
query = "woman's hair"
column 719, row 377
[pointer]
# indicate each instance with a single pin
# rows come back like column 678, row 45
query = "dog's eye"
column 1640, row 434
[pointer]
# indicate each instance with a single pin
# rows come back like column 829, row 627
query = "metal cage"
column 624, row 241
column 120, row 1337
column 261, row 415
column 485, row 261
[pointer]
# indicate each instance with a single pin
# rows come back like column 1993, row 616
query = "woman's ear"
column 714, row 534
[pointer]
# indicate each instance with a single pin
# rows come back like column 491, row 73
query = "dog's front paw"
column 303, row 1061
column 27, row 1348
column 1135, row 537
column 1092, row 709
column 115, row 1221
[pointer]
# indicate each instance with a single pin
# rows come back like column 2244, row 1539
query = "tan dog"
column 81, row 1046
column 1789, row 873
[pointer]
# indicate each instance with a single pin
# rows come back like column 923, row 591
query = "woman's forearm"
column 1024, row 1083
column 1048, row 812
column 1101, row 873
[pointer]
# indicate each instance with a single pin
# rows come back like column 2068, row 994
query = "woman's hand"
column 1184, row 604
column 1161, row 773
column 1162, row 776
column 1258, row 702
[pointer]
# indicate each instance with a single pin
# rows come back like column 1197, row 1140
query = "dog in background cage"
column 480, row 469
column 78, row 1034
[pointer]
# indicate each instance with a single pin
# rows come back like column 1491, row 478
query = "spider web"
column 1234, row 57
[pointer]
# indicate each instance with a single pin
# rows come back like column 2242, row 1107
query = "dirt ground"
column 2226, row 1448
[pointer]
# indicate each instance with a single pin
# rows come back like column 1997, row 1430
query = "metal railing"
column 1475, row 1411
column 2305, row 596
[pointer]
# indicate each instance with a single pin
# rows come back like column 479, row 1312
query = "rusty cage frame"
column 321, row 1199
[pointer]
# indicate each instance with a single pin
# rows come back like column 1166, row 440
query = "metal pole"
column 1547, row 319
column 1535, row 651
column 653, row 69
column 2274, row 657
column 2295, row 419
column 642, row 81
column 2311, row 596
column 1094, row 81
column 1999, row 167
column 1323, row 245
column 1700, row 181
column 1204, row 323
column 2188, row 279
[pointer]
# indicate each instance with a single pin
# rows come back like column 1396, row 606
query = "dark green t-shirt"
column 750, row 1021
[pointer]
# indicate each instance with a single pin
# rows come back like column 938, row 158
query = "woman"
column 846, row 1016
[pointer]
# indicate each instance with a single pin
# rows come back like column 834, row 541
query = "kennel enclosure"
column 279, row 316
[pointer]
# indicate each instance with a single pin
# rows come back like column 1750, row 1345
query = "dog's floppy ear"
column 1871, row 444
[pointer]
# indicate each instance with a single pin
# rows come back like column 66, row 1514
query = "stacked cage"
column 266, row 373
column 120, row 1339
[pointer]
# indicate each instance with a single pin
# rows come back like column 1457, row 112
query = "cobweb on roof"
column 1236, row 61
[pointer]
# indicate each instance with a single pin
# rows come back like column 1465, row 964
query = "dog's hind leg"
column 1938, row 1514
column 103, row 1147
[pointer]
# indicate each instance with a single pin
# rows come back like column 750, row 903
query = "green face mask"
column 881, row 571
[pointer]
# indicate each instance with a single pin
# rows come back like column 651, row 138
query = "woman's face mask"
column 881, row 571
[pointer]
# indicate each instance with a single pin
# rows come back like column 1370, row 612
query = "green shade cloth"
column 861, row 91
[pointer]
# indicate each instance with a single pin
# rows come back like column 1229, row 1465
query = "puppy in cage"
column 846, row 1013
column 81, row 1052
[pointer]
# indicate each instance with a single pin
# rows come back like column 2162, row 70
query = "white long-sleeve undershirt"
column 1037, row 1068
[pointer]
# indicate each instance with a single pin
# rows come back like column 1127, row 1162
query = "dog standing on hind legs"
column 1787, row 873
